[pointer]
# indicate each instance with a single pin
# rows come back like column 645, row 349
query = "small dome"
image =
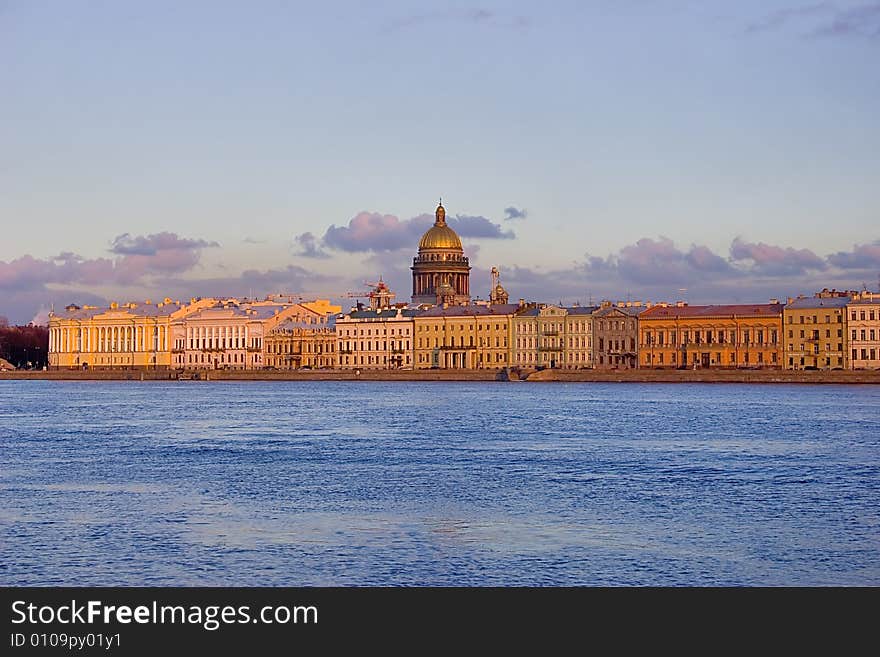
column 445, row 290
column 440, row 236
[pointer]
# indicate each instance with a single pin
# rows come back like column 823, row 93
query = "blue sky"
column 709, row 150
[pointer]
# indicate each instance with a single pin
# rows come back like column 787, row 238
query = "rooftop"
column 818, row 302
column 387, row 313
column 471, row 310
column 632, row 311
column 739, row 310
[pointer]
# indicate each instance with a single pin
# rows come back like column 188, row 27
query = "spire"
column 440, row 215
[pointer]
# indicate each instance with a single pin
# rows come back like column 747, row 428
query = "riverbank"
column 570, row 376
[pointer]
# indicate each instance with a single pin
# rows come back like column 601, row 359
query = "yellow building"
column 131, row 335
column 815, row 332
column 711, row 336
column 464, row 337
column 303, row 342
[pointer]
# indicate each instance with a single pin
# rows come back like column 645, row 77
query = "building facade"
column 440, row 269
column 304, row 341
column 864, row 331
column 683, row 336
column 378, row 339
column 122, row 336
column 230, row 333
column 616, row 335
column 552, row 336
column 816, row 333
column 463, row 337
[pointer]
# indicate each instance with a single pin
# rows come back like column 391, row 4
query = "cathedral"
column 440, row 271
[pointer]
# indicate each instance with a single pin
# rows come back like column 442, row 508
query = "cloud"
column 309, row 247
column 511, row 213
column 138, row 260
column 776, row 260
column 151, row 245
column 651, row 261
column 251, row 283
column 823, row 19
column 863, row 256
column 253, row 240
column 782, row 17
column 478, row 226
column 371, row 231
column 657, row 269
column 862, row 22
column 374, row 232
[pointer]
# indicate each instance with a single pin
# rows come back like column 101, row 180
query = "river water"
column 436, row 483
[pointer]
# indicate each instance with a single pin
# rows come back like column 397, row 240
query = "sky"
column 714, row 152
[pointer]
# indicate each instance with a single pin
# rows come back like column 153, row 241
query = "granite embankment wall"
column 709, row 376
column 256, row 375
column 609, row 376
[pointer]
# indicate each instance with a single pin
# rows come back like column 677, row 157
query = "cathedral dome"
column 440, row 236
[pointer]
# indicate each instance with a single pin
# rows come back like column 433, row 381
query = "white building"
column 375, row 339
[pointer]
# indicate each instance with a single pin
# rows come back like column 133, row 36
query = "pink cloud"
column 863, row 256
column 776, row 260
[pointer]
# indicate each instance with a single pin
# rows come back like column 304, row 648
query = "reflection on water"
column 323, row 483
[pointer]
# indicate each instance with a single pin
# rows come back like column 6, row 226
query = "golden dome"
column 440, row 236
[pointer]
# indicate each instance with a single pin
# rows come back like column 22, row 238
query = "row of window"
column 579, row 342
column 815, row 319
column 374, row 360
column 535, row 327
column 461, row 327
column 709, row 358
column 815, row 347
column 528, row 357
column 614, row 325
column 441, row 342
column 815, row 334
column 307, row 347
column 352, row 345
column 852, row 315
column 208, row 359
column 351, row 332
column 815, row 362
column 710, row 336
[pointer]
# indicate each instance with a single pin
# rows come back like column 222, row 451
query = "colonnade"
column 108, row 339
